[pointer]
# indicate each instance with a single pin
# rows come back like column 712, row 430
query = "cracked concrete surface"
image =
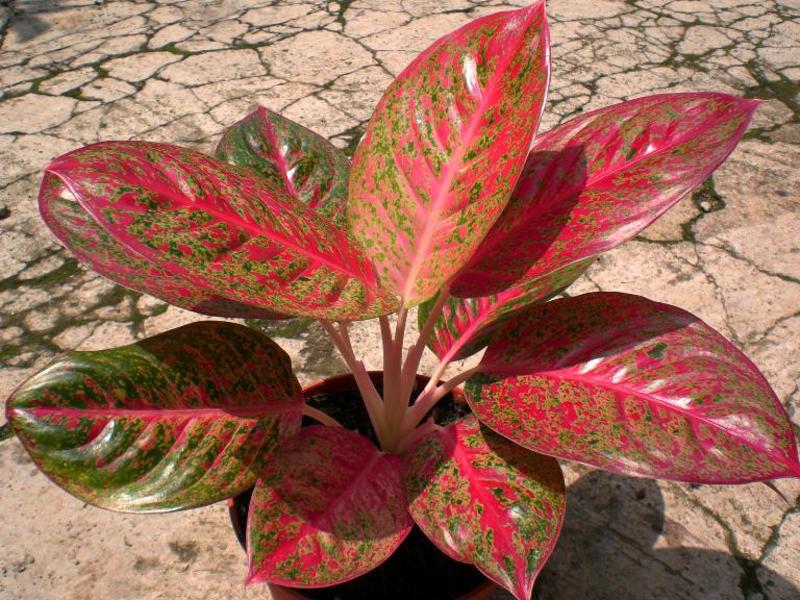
column 73, row 72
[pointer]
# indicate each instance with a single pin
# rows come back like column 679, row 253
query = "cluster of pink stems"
column 396, row 422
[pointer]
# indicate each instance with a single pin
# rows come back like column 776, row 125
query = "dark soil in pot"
column 417, row 569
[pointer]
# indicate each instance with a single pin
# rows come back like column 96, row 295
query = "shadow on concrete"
column 609, row 550
column 23, row 17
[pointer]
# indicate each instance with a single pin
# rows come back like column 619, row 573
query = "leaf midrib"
column 309, row 527
column 234, row 411
column 254, row 230
column 650, row 398
column 454, row 165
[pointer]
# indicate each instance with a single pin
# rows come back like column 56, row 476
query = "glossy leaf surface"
column 222, row 230
column 484, row 500
column 635, row 387
column 93, row 246
column 329, row 507
column 182, row 419
column 444, row 148
column 467, row 324
column 303, row 164
column 599, row 179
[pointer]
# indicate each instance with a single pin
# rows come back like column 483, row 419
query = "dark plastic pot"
column 339, row 397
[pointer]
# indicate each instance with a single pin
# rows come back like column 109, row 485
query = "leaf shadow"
column 611, row 549
column 24, row 21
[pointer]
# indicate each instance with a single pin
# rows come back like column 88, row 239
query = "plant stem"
column 428, row 399
column 386, row 334
column 414, row 357
column 371, row 397
column 395, row 402
column 409, row 440
column 320, row 416
column 437, row 373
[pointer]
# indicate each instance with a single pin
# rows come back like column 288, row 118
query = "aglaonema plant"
column 450, row 205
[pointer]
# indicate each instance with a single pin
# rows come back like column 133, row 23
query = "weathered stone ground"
column 78, row 71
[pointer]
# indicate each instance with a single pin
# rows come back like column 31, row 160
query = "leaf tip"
column 751, row 104
column 534, row 10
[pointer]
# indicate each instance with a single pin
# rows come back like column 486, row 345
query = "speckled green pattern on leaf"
column 484, row 500
column 305, row 165
column 182, row 419
column 597, row 180
column 329, row 507
column 587, row 186
column 223, row 229
column 635, row 387
column 444, row 148
column 93, row 245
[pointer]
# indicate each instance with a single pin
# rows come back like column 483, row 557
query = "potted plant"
column 450, row 205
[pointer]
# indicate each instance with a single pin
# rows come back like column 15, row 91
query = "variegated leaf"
column 93, row 246
column 599, row 179
column 444, row 148
column 329, row 507
column 303, row 164
column 221, row 229
column 182, row 419
column 635, row 387
column 587, row 186
column 484, row 500
column 466, row 325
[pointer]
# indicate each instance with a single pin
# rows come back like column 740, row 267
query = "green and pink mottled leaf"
column 303, row 164
column 466, row 325
column 182, row 419
column 444, row 148
column 635, row 387
column 598, row 180
column 221, row 229
column 93, row 246
column 486, row 501
column 329, row 507
column 587, row 186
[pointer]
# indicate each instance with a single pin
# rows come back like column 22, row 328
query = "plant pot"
column 403, row 574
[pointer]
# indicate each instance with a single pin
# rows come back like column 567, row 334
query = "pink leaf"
column 484, row 500
column 635, row 387
column 92, row 245
column 587, row 186
column 328, row 508
column 444, row 148
column 221, row 229
column 601, row 178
